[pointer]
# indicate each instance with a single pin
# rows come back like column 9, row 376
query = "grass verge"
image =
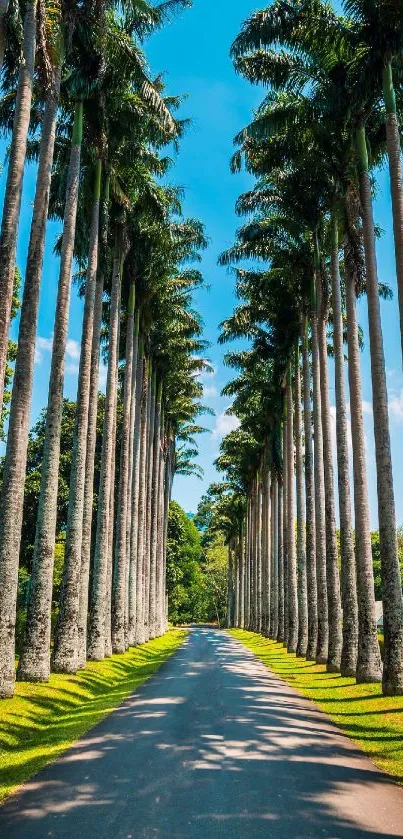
column 373, row 721
column 43, row 720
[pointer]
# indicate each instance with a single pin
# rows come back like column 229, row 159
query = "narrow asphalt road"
column 214, row 745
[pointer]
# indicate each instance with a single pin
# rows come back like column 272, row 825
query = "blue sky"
column 194, row 50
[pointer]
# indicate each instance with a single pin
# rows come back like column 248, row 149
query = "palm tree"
column 348, row 662
column 17, row 438
column 98, row 596
column 301, row 554
column 312, row 641
column 120, row 565
column 368, row 662
column 11, row 212
column 292, row 597
column 332, row 571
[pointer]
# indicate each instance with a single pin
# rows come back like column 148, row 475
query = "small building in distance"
column 379, row 614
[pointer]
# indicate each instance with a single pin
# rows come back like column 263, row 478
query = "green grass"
column 41, row 721
column 373, row 721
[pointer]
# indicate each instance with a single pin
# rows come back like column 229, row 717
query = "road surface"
column 214, row 745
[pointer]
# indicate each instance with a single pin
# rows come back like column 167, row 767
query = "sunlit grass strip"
column 44, row 720
column 373, row 721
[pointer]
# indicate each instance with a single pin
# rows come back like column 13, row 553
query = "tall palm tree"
column 312, row 640
column 12, row 198
column 301, row 553
column 98, row 595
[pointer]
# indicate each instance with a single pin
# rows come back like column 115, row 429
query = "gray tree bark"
column 332, row 569
column 154, row 514
column 319, row 482
column 12, row 498
column 13, row 193
column 348, row 569
column 369, row 668
column 310, row 508
column 98, row 594
column 292, row 640
column 392, row 592
column 301, row 552
column 140, row 572
column 120, row 565
column 65, row 654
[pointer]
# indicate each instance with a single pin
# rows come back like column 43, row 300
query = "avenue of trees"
column 83, row 558
column 330, row 115
column 197, row 562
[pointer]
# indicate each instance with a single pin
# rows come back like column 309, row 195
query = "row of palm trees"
column 79, row 100
column 331, row 114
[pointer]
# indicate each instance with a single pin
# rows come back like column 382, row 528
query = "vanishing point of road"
column 214, row 745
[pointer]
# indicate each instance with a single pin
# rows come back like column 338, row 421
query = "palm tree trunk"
column 252, row 558
column 332, row 569
column 154, row 514
column 259, row 555
column 285, row 528
column 142, row 507
column 4, row 4
column 89, row 475
column 319, row 482
column 129, row 516
column 47, row 510
column 274, row 628
column 396, row 179
column 65, row 655
column 348, row 569
column 266, row 551
column 310, row 508
column 292, row 560
column 147, row 549
column 135, row 499
column 98, row 595
column 12, row 200
column 235, row 581
column 279, row 544
column 301, row 552
column 247, row 565
column 91, row 442
column 12, row 497
column 230, row 598
column 242, row 575
column 369, row 668
column 120, row 565
column 111, row 531
column 167, row 500
column 160, row 544
column 392, row 591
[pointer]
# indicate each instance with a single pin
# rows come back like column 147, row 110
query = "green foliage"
column 196, row 572
column 216, row 579
column 376, row 559
column 11, row 356
column 185, row 582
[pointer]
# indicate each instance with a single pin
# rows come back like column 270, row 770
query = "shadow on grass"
column 42, row 720
column 356, row 709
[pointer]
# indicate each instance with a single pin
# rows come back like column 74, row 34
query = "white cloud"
column 73, row 349
column 42, row 345
column 367, row 407
column 225, row 423
column 209, row 392
column 72, row 369
column 45, row 345
column 396, row 407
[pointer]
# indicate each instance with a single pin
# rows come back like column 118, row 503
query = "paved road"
column 212, row 746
